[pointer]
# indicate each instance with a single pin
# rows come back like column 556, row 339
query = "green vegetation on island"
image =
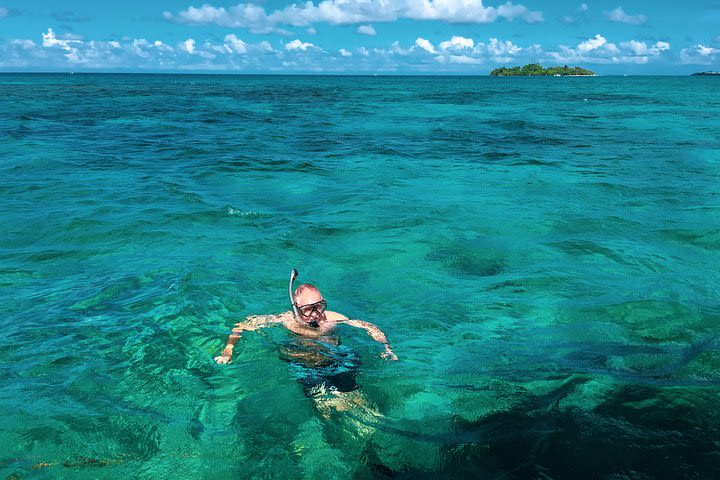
column 706, row 74
column 536, row 70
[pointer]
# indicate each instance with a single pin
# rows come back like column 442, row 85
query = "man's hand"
column 388, row 354
column 222, row 360
column 376, row 335
column 226, row 356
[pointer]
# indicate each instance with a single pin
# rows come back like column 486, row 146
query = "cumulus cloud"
column 189, row 46
column 138, row 46
column 425, row 45
column 454, row 53
column 500, row 50
column 618, row 15
column 234, row 45
column 344, row 12
column 70, row 46
column 366, row 30
column 699, row 55
column 297, row 44
column 599, row 50
column 144, row 49
column 592, row 43
column 457, row 50
column 457, row 43
column 641, row 48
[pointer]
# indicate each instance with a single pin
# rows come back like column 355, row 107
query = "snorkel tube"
column 293, row 276
column 296, row 314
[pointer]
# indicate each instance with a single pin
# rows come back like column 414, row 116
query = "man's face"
column 310, row 298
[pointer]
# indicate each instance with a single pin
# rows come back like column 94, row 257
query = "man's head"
column 310, row 304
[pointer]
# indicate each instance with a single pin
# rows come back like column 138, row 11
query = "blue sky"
column 359, row 36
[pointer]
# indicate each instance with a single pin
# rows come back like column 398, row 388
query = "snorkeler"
column 309, row 318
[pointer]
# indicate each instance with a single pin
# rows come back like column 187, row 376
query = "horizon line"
column 326, row 74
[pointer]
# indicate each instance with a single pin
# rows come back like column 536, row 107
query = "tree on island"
column 536, row 70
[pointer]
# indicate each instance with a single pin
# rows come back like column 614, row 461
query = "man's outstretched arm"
column 376, row 335
column 251, row 323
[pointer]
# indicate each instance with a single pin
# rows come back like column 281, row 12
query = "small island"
column 706, row 74
column 536, row 70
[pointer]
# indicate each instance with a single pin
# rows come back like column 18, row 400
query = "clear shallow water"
column 542, row 254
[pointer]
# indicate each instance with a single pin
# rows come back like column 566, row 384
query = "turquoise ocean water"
column 542, row 253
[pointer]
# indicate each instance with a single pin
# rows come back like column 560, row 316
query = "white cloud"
column 499, row 49
column 4, row 12
column 452, row 54
column 640, row 48
column 70, row 36
column 343, row 12
column 139, row 46
column 592, row 43
column 24, row 44
column 298, row 45
column 583, row 7
column 189, row 46
column 462, row 50
column 50, row 40
column 144, row 49
column 599, row 50
column 699, row 55
column 510, row 11
column 460, row 60
column 425, row 45
column 311, row 31
column 706, row 51
column 398, row 50
column 234, row 45
column 457, row 43
column 241, row 15
column 264, row 47
column 366, row 30
column 618, row 15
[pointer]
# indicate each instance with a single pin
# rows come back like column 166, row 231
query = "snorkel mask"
column 296, row 314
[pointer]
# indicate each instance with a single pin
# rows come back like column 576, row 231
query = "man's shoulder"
column 338, row 317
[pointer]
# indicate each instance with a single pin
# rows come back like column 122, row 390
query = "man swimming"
column 321, row 364
column 308, row 318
